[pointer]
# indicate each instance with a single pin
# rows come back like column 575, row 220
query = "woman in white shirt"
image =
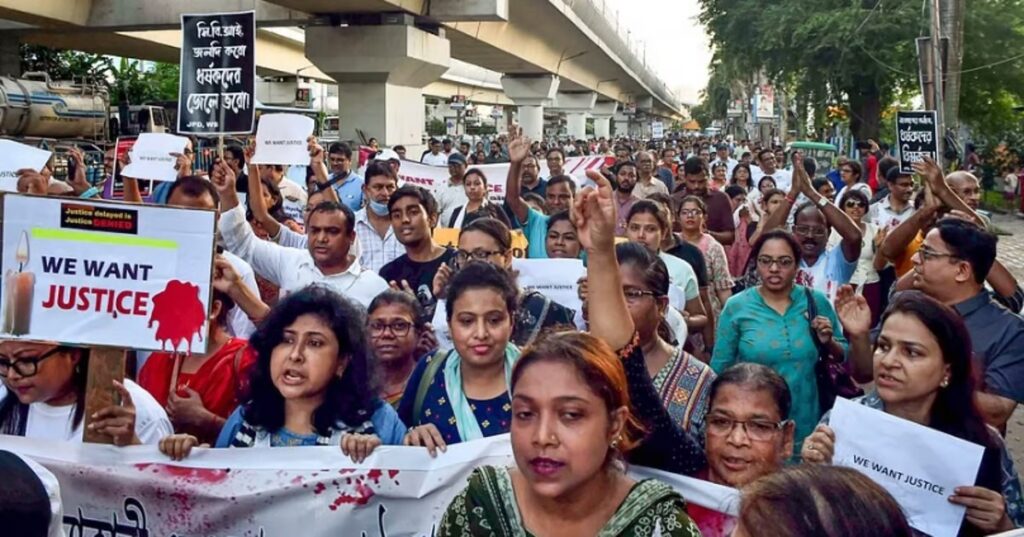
column 865, row 279
column 43, row 396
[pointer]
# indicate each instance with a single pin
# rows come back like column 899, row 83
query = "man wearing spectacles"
column 821, row 268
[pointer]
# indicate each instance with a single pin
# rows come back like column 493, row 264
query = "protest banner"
column 917, row 134
column 273, row 492
column 918, row 465
column 17, row 156
column 152, row 156
column 554, row 278
column 217, row 88
column 435, row 177
column 102, row 273
column 281, row 139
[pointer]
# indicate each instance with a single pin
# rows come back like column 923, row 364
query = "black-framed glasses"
column 25, row 366
column 927, row 254
column 463, row 256
column 757, row 430
column 812, row 231
column 853, row 203
column 397, row 328
column 636, row 295
column 767, row 261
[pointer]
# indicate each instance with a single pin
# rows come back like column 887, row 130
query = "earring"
column 615, row 443
column 945, row 382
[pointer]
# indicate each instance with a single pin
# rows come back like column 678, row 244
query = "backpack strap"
column 433, row 366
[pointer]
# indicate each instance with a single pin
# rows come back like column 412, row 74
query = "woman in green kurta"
column 572, row 422
column 768, row 325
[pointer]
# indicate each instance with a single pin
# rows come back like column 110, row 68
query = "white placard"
column 101, row 273
column 553, row 278
column 657, row 130
column 15, row 156
column 918, row 465
column 151, row 156
column 281, row 139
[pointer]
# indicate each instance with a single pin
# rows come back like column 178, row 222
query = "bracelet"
column 791, row 200
column 91, row 193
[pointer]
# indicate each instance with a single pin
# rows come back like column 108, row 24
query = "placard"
column 216, row 92
column 18, row 156
column 281, row 139
column 102, row 273
column 917, row 136
column 553, row 278
column 918, row 465
column 152, row 156
column 657, row 130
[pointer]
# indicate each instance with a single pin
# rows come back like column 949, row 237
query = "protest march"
column 235, row 315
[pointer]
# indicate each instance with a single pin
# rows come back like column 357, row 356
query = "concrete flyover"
column 553, row 53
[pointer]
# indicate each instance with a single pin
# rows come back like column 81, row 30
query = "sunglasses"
column 853, row 203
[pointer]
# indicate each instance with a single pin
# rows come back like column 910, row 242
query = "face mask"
column 379, row 209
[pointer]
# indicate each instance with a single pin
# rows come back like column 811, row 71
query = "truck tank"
column 34, row 106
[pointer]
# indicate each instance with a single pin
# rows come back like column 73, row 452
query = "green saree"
column 487, row 508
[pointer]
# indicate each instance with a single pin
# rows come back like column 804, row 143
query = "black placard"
column 917, row 136
column 218, row 73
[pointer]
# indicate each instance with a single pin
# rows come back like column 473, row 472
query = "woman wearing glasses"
column 865, row 279
column 850, row 173
column 692, row 215
column 43, row 397
column 489, row 240
column 768, row 324
column 394, row 324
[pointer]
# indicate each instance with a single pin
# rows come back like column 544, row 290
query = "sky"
column 677, row 45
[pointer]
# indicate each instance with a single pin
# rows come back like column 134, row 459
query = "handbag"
column 832, row 376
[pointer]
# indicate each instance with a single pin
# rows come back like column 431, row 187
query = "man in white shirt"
column 766, row 158
column 378, row 245
column 330, row 231
column 452, row 194
column 722, row 155
column 898, row 206
column 435, row 157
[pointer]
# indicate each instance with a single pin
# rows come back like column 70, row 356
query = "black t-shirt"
column 419, row 275
column 692, row 255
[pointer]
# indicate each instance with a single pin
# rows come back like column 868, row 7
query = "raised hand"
column 225, row 277
column 117, row 421
column 931, row 173
column 853, row 311
column 595, row 216
column 518, row 145
column 316, row 151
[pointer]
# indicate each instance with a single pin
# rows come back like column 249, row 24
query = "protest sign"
column 917, row 137
column 434, row 177
column 657, row 130
column 554, row 278
column 918, row 465
column 272, row 492
column 281, row 139
column 102, row 273
column 216, row 92
column 152, row 156
column 16, row 157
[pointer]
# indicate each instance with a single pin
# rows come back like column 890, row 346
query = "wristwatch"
column 823, row 202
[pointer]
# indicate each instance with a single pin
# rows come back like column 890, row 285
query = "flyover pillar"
column 621, row 124
column 10, row 54
column 531, row 93
column 381, row 71
column 602, row 114
column 576, row 106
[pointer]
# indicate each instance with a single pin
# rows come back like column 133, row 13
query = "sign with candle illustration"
column 103, row 273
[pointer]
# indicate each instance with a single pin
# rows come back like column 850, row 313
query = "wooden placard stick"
column 106, row 365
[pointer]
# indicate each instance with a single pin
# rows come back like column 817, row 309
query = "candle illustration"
column 18, row 288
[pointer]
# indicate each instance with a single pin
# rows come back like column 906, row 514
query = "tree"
column 822, row 50
column 125, row 79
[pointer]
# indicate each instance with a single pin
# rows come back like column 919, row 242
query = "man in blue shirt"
column 346, row 183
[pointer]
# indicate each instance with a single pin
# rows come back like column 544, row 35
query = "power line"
column 993, row 64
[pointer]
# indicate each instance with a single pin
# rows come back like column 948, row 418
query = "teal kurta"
column 751, row 331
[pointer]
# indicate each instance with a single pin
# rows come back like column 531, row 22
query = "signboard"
column 101, row 273
column 496, row 111
column 630, row 109
column 917, row 135
column 735, row 108
column 152, row 156
column 218, row 73
column 657, row 130
column 764, row 102
column 458, row 102
column 397, row 491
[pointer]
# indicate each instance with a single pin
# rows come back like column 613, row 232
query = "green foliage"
column 993, row 33
column 436, row 127
column 124, row 78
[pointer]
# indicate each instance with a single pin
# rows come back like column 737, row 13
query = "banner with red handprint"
column 283, row 492
column 102, row 273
